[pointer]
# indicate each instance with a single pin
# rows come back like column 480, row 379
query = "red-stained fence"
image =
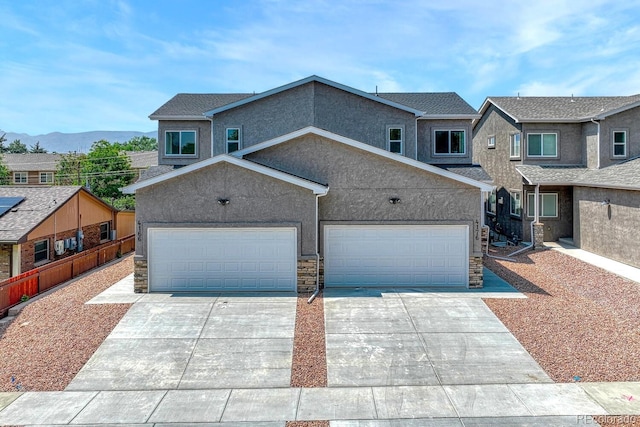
column 40, row 279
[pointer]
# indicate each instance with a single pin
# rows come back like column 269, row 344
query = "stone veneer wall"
column 307, row 274
column 140, row 276
column 475, row 272
column 538, row 235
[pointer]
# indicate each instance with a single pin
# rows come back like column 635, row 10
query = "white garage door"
column 229, row 259
column 396, row 255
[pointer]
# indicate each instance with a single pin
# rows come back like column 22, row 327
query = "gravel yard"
column 309, row 366
column 579, row 322
column 52, row 338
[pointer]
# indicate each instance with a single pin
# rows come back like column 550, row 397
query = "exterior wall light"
column 394, row 200
column 605, row 202
column 223, row 202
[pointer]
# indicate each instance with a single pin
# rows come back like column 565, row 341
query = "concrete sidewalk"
column 515, row 404
column 623, row 270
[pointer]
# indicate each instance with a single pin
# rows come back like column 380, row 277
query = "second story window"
column 542, row 145
column 491, row 141
column 20, row 177
column 514, row 146
column 620, row 143
column 449, row 142
column 180, row 143
column 233, row 139
column 46, row 177
column 395, row 139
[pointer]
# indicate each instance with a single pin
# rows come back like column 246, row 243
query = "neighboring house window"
column 491, row 142
column 542, row 145
column 41, row 251
column 491, row 202
column 20, row 177
column 233, row 139
column 548, row 205
column 620, row 143
column 104, row 231
column 46, row 177
column 180, row 143
column 395, row 139
column 516, row 203
column 449, row 142
column 514, row 146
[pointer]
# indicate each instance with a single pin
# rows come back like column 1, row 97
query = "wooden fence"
column 40, row 279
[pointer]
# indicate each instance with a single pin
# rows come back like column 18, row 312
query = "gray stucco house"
column 580, row 155
column 309, row 183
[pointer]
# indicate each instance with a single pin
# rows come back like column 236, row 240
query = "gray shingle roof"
column 432, row 103
column 622, row 175
column 143, row 159
column 469, row 171
column 31, row 161
column 561, row 108
column 39, row 203
column 196, row 104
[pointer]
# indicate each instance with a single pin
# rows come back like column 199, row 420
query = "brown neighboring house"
column 40, row 224
column 40, row 168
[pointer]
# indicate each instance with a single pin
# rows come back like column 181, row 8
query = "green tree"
column 140, row 143
column 107, row 169
column 4, row 172
column 37, row 149
column 3, row 149
column 70, row 169
column 17, row 147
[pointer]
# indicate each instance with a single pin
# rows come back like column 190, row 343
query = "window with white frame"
column 491, row 202
column 542, row 144
column 619, row 143
column 20, row 177
column 46, row 177
column 515, row 207
column 41, row 251
column 547, row 205
column 491, row 141
column 105, row 229
column 514, row 146
column 395, row 139
column 180, row 143
column 233, row 139
column 449, row 142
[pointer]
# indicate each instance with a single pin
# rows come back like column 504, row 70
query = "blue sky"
column 80, row 65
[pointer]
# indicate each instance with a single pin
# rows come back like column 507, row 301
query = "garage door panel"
column 222, row 259
column 394, row 255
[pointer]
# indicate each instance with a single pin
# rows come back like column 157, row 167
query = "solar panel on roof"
column 8, row 203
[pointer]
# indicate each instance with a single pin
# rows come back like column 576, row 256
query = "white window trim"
column 226, row 141
column 195, row 151
column 491, row 141
column 540, row 204
column 464, row 153
column 512, row 197
column 613, row 143
column 401, row 127
column 555, row 156
column 46, row 180
column 42, row 261
column 21, row 174
column 511, row 140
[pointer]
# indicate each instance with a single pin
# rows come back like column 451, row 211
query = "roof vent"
column 572, row 99
column 518, row 97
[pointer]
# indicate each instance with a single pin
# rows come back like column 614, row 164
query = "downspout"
column 317, row 291
column 597, row 144
column 211, row 120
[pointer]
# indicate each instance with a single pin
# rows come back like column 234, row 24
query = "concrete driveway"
column 196, row 342
column 393, row 358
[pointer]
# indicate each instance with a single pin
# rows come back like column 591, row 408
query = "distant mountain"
column 81, row 142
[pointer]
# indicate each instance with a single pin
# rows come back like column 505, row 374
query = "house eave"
column 449, row 117
column 178, row 117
